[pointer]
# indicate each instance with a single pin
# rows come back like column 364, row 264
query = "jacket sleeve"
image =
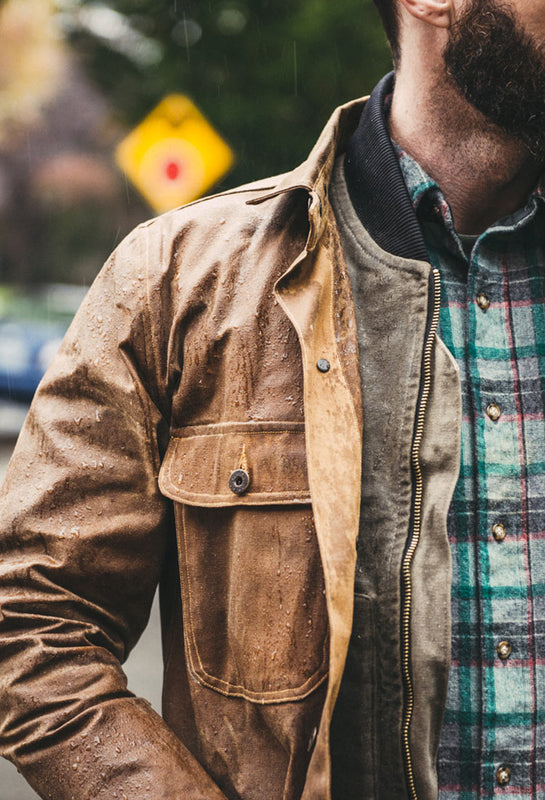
column 83, row 532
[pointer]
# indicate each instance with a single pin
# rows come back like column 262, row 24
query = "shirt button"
column 483, row 302
column 504, row 650
column 499, row 532
column 503, row 776
column 493, row 411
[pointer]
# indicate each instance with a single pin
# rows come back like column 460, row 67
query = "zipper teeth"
column 415, row 533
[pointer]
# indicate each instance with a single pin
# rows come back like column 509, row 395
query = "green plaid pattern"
column 495, row 713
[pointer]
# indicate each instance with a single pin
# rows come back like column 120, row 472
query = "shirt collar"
column 431, row 205
column 426, row 197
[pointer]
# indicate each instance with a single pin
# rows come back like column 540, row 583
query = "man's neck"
column 484, row 173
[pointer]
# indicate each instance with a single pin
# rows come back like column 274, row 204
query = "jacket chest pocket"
column 255, row 619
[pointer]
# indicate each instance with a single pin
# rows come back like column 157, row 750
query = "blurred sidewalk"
column 144, row 666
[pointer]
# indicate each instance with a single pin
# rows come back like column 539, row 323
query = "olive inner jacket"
column 194, row 355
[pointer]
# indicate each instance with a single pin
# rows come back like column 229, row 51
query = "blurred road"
column 143, row 668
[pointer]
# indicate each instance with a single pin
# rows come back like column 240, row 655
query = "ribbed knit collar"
column 376, row 185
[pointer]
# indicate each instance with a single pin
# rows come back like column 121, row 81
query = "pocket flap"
column 200, row 461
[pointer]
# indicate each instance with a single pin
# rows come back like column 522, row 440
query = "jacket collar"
column 376, row 184
column 373, row 175
column 314, row 174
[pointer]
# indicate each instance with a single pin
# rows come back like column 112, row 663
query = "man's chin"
column 500, row 70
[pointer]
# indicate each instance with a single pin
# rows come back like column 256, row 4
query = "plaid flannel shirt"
column 493, row 322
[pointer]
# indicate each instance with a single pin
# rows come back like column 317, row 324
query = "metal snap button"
column 503, row 776
column 239, row 481
column 323, row 365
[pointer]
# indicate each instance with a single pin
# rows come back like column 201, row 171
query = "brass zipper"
column 415, row 531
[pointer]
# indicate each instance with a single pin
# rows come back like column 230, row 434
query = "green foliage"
column 267, row 73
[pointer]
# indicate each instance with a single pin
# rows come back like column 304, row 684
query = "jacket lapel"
column 333, row 429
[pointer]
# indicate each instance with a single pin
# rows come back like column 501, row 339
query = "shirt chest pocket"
column 255, row 619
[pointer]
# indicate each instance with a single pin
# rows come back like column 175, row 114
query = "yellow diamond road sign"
column 174, row 155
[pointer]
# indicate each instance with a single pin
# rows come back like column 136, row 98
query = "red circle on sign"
column 173, row 170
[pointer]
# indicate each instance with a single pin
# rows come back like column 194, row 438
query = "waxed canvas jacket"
column 218, row 345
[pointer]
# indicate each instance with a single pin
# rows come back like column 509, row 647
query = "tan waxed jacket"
column 193, row 357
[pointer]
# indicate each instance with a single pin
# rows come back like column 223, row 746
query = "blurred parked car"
column 32, row 326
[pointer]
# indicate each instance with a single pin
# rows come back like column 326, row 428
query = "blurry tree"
column 31, row 60
column 266, row 72
column 76, row 75
column 63, row 204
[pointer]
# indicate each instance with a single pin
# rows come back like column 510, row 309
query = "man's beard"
column 500, row 70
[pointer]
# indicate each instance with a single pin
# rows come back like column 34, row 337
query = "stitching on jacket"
column 223, row 500
column 146, row 406
column 231, row 690
column 234, row 433
column 251, row 189
column 239, row 428
column 233, row 500
column 148, row 335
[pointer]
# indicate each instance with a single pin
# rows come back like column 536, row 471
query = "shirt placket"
column 493, row 321
column 500, row 558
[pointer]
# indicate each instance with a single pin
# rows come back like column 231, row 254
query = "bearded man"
column 334, row 625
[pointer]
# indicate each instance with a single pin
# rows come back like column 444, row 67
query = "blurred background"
column 113, row 111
